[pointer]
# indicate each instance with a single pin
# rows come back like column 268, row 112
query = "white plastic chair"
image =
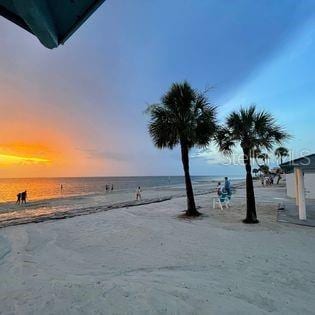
column 223, row 200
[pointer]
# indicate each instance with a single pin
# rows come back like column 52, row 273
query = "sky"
column 78, row 110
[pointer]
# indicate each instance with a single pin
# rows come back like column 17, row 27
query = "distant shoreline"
column 50, row 188
column 123, row 176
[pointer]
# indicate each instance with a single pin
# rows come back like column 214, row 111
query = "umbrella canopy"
column 51, row 21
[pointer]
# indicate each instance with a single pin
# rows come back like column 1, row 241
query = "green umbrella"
column 51, row 21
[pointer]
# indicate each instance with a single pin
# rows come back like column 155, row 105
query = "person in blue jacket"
column 227, row 186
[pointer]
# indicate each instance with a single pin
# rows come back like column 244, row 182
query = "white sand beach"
column 145, row 260
column 123, row 125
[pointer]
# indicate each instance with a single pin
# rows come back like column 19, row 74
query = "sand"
column 145, row 260
column 70, row 206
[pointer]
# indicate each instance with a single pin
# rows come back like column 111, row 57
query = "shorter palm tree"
column 281, row 153
column 252, row 130
column 254, row 155
column 264, row 157
column 255, row 171
column 185, row 118
column 264, row 169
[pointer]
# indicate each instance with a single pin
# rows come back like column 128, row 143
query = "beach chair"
column 222, row 200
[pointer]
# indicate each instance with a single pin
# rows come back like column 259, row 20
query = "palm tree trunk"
column 279, row 175
column 251, row 216
column 191, row 206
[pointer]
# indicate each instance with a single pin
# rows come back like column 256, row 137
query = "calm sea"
column 46, row 188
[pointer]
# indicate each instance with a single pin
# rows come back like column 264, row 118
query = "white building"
column 300, row 181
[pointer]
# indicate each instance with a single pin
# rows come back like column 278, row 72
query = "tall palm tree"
column 184, row 117
column 251, row 129
column 281, row 152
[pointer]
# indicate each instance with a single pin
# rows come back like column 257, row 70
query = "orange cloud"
column 14, row 159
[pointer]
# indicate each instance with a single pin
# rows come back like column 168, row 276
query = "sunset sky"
column 78, row 110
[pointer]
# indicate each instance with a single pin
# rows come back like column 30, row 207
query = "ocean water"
column 47, row 188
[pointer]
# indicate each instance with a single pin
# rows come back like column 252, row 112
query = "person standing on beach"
column 24, row 196
column 61, row 188
column 112, row 187
column 227, row 186
column 18, row 201
column 138, row 193
column 219, row 189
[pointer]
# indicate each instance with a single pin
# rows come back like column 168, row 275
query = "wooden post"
column 301, row 194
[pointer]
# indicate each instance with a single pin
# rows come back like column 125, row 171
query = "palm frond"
column 184, row 115
column 281, row 152
column 255, row 130
column 161, row 128
column 225, row 140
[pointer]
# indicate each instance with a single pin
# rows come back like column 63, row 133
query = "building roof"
column 51, row 21
column 306, row 163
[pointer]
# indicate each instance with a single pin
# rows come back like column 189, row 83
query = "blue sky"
column 94, row 89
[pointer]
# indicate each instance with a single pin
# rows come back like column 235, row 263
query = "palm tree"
column 264, row 157
column 254, row 153
column 184, row 117
column 281, row 152
column 251, row 129
column 255, row 171
column 264, row 169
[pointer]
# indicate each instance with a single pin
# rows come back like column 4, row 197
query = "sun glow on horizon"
column 14, row 159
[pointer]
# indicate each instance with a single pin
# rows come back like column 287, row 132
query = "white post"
column 301, row 194
column 296, row 186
